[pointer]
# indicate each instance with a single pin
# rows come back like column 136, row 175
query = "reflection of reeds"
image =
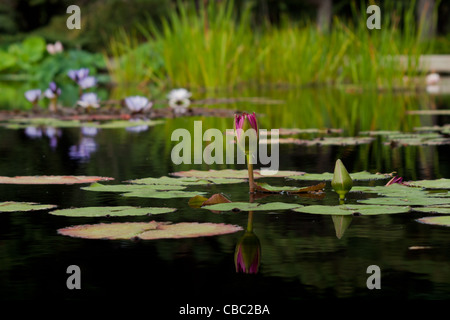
column 221, row 50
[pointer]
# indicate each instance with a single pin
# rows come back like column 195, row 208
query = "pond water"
column 301, row 256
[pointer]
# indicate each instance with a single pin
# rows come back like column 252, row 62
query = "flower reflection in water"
column 50, row 132
column 137, row 128
column 247, row 256
column 89, row 131
column 33, row 132
column 83, row 150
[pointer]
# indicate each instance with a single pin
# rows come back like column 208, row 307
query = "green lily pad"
column 379, row 133
column 162, row 194
column 324, row 141
column 12, row 206
column 327, row 176
column 230, row 173
column 431, row 184
column 148, row 230
column 440, row 221
column 395, row 190
column 353, row 209
column 51, row 179
column 439, row 210
column 247, row 206
column 185, row 181
column 130, row 187
column 119, row 124
column 413, row 201
column 118, row 211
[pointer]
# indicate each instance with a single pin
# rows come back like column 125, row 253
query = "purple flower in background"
column 87, row 82
column 33, row 95
column 78, row 75
column 138, row 103
column 89, row 100
column 53, row 91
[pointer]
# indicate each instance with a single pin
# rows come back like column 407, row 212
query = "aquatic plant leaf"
column 324, row 141
column 148, row 230
column 440, row 210
column 52, row 179
column 431, row 184
column 413, row 201
column 22, row 123
column 131, row 187
column 440, row 221
column 119, row 124
column 248, row 206
column 294, row 131
column 379, row 133
column 162, row 194
column 12, row 206
column 185, row 181
column 352, row 209
column 327, row 176
column 264, row 187
column 395, row 190
column 197, row 201
column 215, row 199
column 118, row 211
column 230, row 173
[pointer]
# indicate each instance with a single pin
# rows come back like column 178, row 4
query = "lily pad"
column 264, row 187
column 148, row 230
column 12, row 206
column 324, row 141
column 413, row 201
column 185, row 181
column 327, row 176
column 439, row 210
column 130, row 187
column 353, row 209
column 395, row 190
column 162, row 194
column 440, row 221
column 431, row 184
column 230, row 173
column 249, row 206
column 51, row 179
column 118, row 211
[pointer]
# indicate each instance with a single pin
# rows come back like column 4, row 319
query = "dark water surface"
column 302, row 258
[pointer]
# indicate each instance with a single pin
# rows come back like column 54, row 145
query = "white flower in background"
column 55, row 48
column 89, row 100
column 87, row 82
column 179, row 100
column 89, row 131
column 33, row 95
column 433, row 79
column 138, row 103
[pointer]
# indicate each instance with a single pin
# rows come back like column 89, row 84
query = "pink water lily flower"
column 245, row 121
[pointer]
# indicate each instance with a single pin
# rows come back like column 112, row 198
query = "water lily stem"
column 250, row 175
column 250, row 222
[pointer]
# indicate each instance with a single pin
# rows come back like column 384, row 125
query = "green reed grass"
column 214, row 47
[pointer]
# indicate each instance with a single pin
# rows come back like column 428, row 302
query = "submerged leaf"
column 118, row 211
column 51, row 179
column 352, row 209
column 148, row 230
column 12, row 206
column 264, row 187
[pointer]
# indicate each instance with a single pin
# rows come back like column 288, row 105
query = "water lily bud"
column 243, row 122
column 342, row 182
column 247, row 255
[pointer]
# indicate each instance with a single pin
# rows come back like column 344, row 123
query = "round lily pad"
column 431, row 184
column 413, row 201
column 51, row 179
column 185, row 181
column 327, row 176
column 118, row 211
column 148, row 230
column 440, row 210
column 12, row 206
column 248, row 206
column 440, row 221
column 162, row 194
column 230, row 173
column 130, row 187
column 353, row 209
